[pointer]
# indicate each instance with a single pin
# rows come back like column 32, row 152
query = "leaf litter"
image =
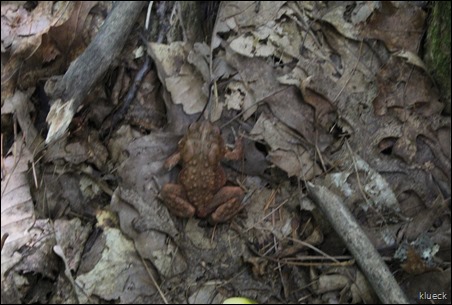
column 328, row 93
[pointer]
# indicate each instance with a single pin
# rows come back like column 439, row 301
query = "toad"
column 201, row 189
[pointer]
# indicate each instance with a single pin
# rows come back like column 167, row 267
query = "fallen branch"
column 90, row 67
column 367, row 257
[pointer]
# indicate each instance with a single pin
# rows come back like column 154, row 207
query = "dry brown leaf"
column 378, row 192
column 119, row 273
column 400, row 28
column 345, row 17
column 27, row 252
column 148, row 225
column 325, row 112
column 17, row 205
column 71, row 236
column 178, row 76
column 142, row 215
column 25, row 31
column 38, row 40
column 199, row 57
column 233, row 15
column 286, row 152
column 70, row 36
column 85, row 147
column 412, row 58
column 404, row 87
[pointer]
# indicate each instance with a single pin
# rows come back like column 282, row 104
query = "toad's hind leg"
column 175, row 199
column 226, row 204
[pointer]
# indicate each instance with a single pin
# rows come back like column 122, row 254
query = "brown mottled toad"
column 201, row 189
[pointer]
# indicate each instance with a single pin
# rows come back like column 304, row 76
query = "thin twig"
column 162, row 295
